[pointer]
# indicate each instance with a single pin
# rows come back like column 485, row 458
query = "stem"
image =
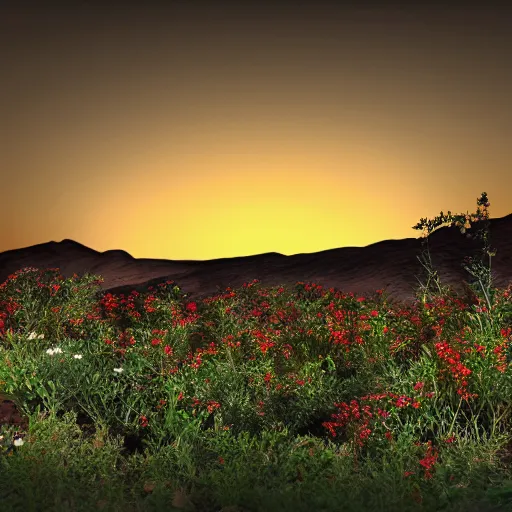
column 455, row 417
column 496, row 421
column 231, row 361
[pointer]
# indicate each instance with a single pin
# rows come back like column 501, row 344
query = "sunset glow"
column 212, row 130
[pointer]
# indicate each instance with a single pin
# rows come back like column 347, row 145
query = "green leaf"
column 41, row 391
column 426, row 350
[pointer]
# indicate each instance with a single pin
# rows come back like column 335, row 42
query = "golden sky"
column 206, row 130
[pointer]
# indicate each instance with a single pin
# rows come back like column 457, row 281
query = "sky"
column 192, row 130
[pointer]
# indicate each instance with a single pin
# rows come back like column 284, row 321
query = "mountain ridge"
column 391, row 264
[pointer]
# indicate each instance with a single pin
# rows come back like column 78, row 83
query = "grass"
column 257, row 399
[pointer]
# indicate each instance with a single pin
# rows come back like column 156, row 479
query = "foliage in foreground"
column 257, row 399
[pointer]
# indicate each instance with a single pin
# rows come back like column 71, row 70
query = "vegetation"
column 257, row 400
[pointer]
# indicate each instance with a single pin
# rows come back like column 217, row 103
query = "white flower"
column 52, row 351
column 118, row 370
column 78, row 356
column 34, row 335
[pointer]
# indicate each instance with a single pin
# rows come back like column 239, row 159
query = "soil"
column 11, row 420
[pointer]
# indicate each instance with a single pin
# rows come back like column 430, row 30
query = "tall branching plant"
column 482, row 274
